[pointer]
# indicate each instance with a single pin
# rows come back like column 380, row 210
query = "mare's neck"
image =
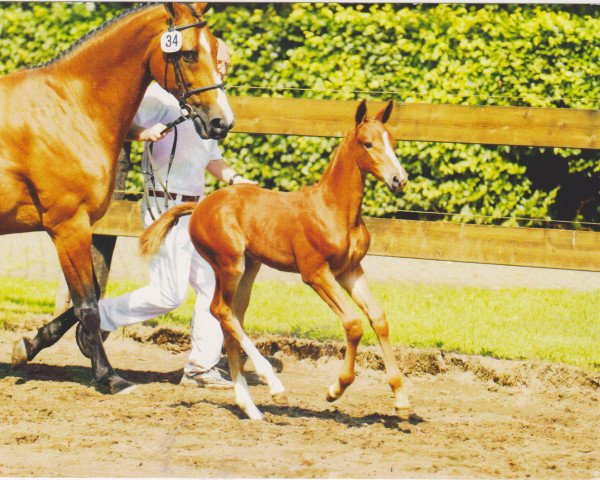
column 343, row 183
column 108, row 74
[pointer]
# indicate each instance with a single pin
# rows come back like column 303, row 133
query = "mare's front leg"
column 325, row 284
column 355, row 283
column 73, row 241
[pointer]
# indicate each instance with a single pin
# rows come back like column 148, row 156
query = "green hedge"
column 477, row 55
column 542, row 56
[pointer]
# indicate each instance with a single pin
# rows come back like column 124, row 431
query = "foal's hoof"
column 403, row 413
column 83, row 344
column 122, row 387
column 331, row 397
column 20, row 353
column 280, row 398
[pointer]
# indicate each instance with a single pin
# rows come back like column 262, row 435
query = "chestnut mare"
column 63, row 126
column 317, row 231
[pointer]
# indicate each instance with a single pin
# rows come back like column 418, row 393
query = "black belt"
column 174, row 196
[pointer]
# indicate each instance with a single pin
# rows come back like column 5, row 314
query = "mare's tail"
column 155, row 234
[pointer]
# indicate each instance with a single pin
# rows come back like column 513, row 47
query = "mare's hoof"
column 121, row 386
column 20, row 353
column 115, row 385
column 83, row 344
column 280, row 398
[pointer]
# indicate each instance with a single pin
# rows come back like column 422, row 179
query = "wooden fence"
column 551, row 127
column 535, row 247
column 527, row 126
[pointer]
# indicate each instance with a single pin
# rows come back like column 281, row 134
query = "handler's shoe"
column 210, row 379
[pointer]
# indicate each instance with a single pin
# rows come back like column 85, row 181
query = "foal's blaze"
column 379, row 158
column 317, row 231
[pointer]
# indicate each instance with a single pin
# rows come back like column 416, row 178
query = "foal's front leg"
column 355, row 283
column 325, row 284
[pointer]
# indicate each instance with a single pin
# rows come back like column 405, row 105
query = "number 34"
column 171, row 42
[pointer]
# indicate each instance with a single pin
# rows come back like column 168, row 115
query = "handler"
column 180, row 167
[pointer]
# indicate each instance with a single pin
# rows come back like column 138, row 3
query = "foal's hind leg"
column 228, row 274
column 241, row 302
column 226, row 279
column 324, row 283
column 355, row 283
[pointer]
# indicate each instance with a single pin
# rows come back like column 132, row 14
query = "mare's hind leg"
column 25, row 349
column 355, row 283
column 326, row 286
column 73, row 241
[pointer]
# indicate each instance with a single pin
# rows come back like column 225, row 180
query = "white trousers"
column 176, row 265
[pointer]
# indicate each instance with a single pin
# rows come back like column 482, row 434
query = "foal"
column 317, row 231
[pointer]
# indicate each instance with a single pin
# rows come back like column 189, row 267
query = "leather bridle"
column 184, row 90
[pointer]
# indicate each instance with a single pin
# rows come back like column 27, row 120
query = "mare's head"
column 184, row 62
column 376, row 146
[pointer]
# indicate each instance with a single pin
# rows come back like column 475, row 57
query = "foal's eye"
column 189, row 56
column 368, row 144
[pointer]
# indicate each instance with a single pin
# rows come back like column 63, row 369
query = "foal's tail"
column 155, row 234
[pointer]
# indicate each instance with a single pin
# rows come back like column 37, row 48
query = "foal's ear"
column 384, row 115
column 361, row 112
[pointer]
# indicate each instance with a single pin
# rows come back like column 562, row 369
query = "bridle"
column 184, row 91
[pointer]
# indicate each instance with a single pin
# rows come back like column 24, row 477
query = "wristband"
column 233, row 178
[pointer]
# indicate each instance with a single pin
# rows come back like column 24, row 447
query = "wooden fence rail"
column 534, row 247
column 536, row 127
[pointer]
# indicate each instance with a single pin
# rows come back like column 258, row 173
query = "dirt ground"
column 475, row 417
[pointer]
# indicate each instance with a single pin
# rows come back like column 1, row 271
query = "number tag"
column 171, row 41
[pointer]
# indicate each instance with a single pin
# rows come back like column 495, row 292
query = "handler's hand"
column 241, row 179
column 153, row 134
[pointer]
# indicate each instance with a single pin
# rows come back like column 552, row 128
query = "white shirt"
column 192, row 152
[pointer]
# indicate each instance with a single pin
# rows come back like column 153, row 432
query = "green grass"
column 557, row 325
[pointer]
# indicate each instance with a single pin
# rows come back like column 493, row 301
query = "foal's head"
column 186, row 65
column 376, row 145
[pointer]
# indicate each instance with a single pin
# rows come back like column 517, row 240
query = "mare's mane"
column 91, row 34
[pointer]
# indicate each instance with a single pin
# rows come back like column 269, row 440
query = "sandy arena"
column 474, row 417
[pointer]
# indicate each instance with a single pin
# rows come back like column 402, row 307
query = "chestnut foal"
column 317, row 231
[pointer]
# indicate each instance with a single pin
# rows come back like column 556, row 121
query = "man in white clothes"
column 177, row 264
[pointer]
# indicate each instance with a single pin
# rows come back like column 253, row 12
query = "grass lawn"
column 557, row 325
